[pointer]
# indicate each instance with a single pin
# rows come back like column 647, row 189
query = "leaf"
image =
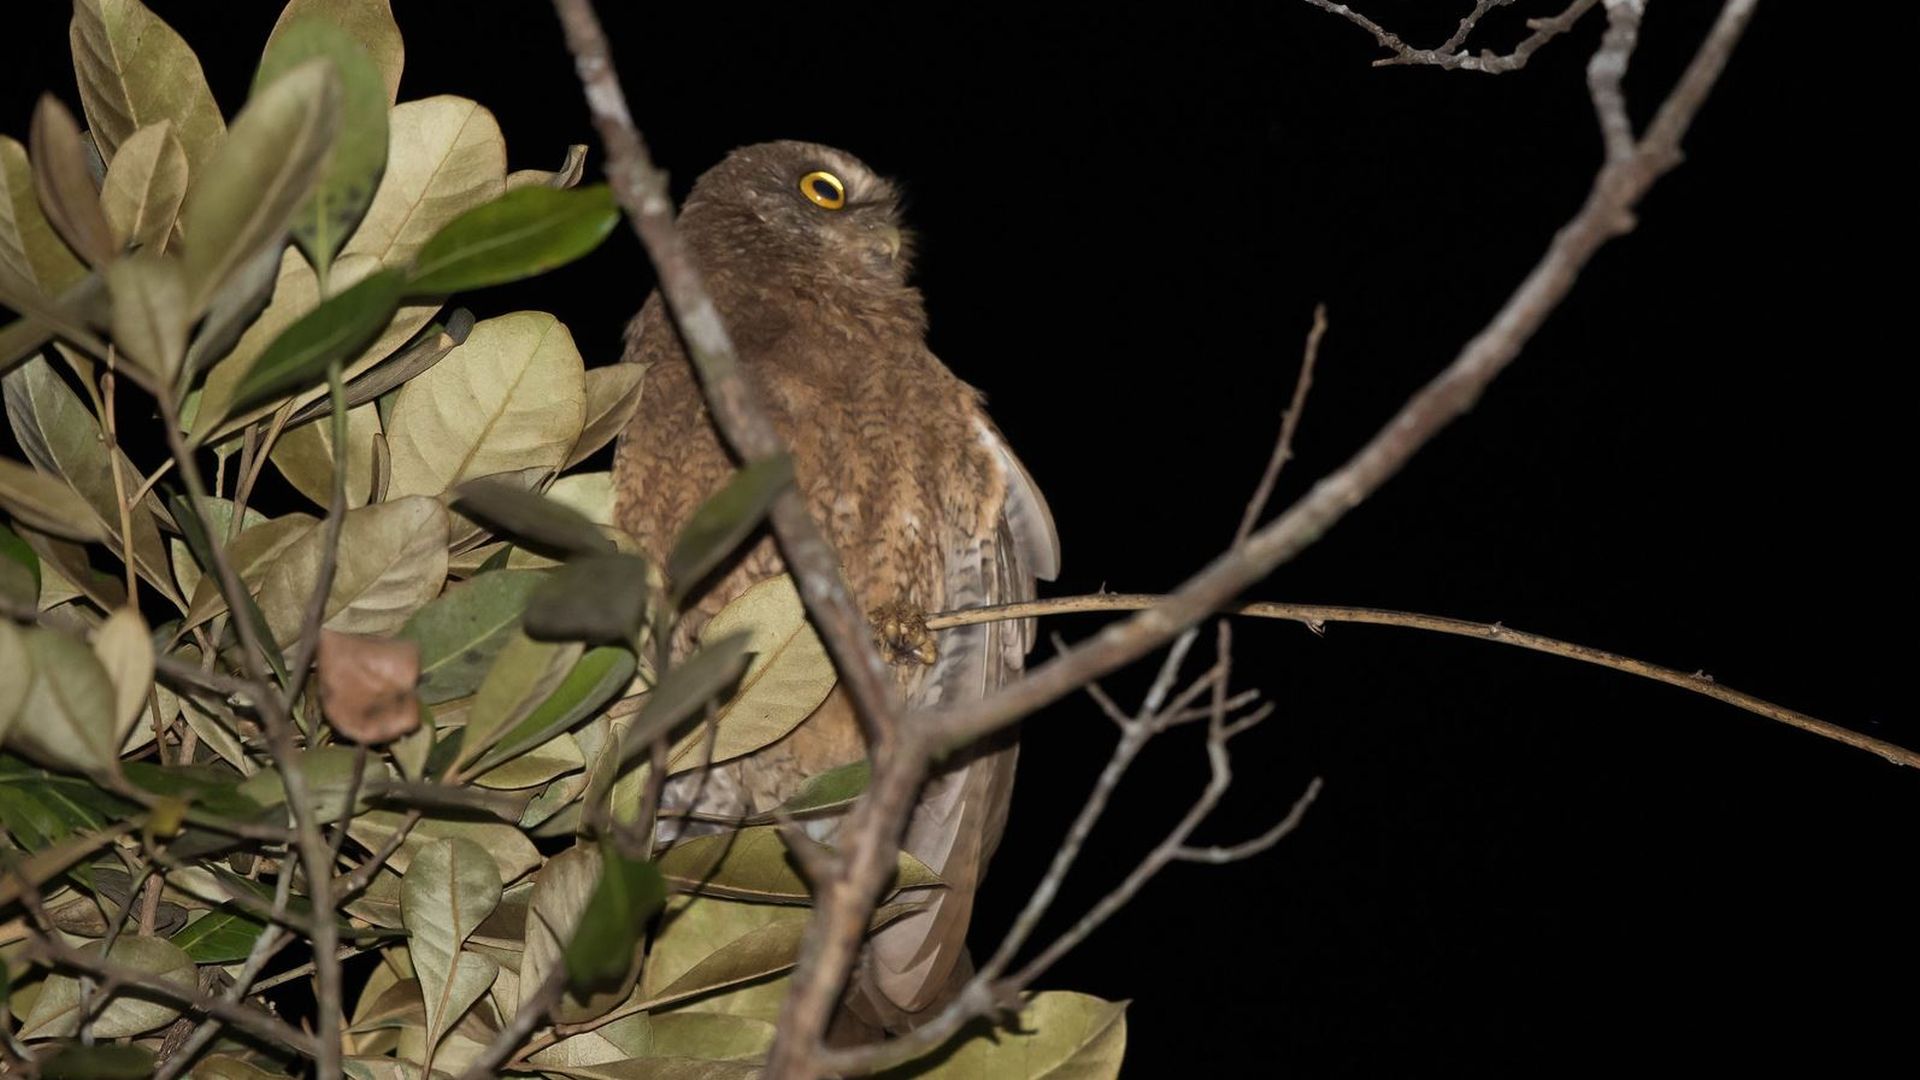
column 124, row 646
column 222, row 1067
column 19, row 571
column 339, row 328
column 445, row 155
column 511, row 397
column 434, row 344
column 28, row 245
column 513, row 854
column 830, row 790
column 568, row 175
column 789, row 677
column 659, row 1068
column 600, row 599
column 724, row 520
column 71, row 701
column 529, row 518
column 221, row 936
column 523, row 232
column 242, row 202
column 45, row 503
column 65, row 184
column 56, row 1012
column 144, row 188
column 150, row 314
column 560, row 894
column 695, row 1035
column 106, row 1061
column 461, row 632
column 684, row 689
column 392, row 559
column 705, row 944
column 246, row 314
column 16, row 676
column 522, row 676
column 613, row 395
column 304, row 455
column 366, row 686
column 754, row 864
column 134, row 71
column 602, row 947
column 450, row 888
column 60, row 436
column 596, row 679
column 1058, row 1035
column 359, row 155
column 41, row 809
column 252, row 553
column 369, row 22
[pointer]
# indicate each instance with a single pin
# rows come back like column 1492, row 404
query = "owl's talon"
column 900, row 631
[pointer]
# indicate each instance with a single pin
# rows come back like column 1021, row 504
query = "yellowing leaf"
column 28, row 245
column 47, row 504
column 56, row 1012
column 134, row 70
column 1058, row 1036
column 445, row 155
column 392, row 560
column 65, row 184
column 304, row 456
column 789, row 677
column 450, row 888
column 124, row 646
column 510, row 397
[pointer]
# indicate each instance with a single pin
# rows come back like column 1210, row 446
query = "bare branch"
column 1289, row 423
column 1450, row 55
column 1317, row 615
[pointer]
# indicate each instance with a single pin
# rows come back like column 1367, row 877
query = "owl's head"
column 813, row 209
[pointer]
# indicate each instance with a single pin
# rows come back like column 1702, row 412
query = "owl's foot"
column 900, row 631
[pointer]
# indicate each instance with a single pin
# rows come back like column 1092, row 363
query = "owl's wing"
column 957, row 824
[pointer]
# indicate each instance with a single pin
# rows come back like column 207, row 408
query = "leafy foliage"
column 491, row 652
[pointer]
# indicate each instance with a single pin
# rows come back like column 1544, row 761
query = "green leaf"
column 65, row 183
column 684, row 689
column 522, row 677
column 242, row 203
column 339, row 328
column 434, row 344
column 724, row 520
column 461, row 632
column 360, row 149
column 40, row 809
column 47, row 504
column 220, row 936
column 105, row 1061
column 532, row 520
column 134, row 71
column 596, row 679
column 511, row 397
column 392, row 559
column 830, row 790
column 1059, row 1035
column 599, row 599
column 150, row 314
column 71, row 701
column 754, row 864
column 144, row 188
column 450, row 888
column 629, row 892
column 56, row 1012
column 613, row 394
column 524, row 232
column 222, row 1067
column 19, row 566
column 790, row 676
column 370, row 22
column 29, row 247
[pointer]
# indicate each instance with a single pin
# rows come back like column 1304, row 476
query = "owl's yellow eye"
column 824, row 190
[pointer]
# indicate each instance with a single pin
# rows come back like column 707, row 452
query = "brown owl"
column 803, row 252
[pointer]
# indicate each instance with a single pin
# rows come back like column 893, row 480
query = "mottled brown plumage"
column 915, row 487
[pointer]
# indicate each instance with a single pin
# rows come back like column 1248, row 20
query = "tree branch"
column 1450, row 55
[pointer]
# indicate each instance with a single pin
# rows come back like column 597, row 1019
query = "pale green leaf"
column 101, row 1061
column 560, row 894
column 65, row 182
column 834, row 788
column 134, row 71
column 45, row 503
column 595, row 680
column 124, row 646
column 242, row 203
column 338, row 328
column 29, row 247
column 523, row 674
column 754, row 864
column 370, row 22
column 613, row 394
column 445, row 155
column 16, row 675
column 251, row 554
column 1058, row 1036
column 71, row 703
column 513, row 854
column 511, row 397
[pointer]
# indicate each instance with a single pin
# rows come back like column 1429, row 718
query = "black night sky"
column 1126, row 215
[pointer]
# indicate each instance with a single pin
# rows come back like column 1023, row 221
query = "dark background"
column 1126, row 218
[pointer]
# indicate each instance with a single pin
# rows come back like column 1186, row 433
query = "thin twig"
column 1289, row 423
column 269, row 942
column 1316, row 615
column 1450, row 55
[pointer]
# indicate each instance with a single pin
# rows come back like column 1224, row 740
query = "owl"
column 803, row 251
